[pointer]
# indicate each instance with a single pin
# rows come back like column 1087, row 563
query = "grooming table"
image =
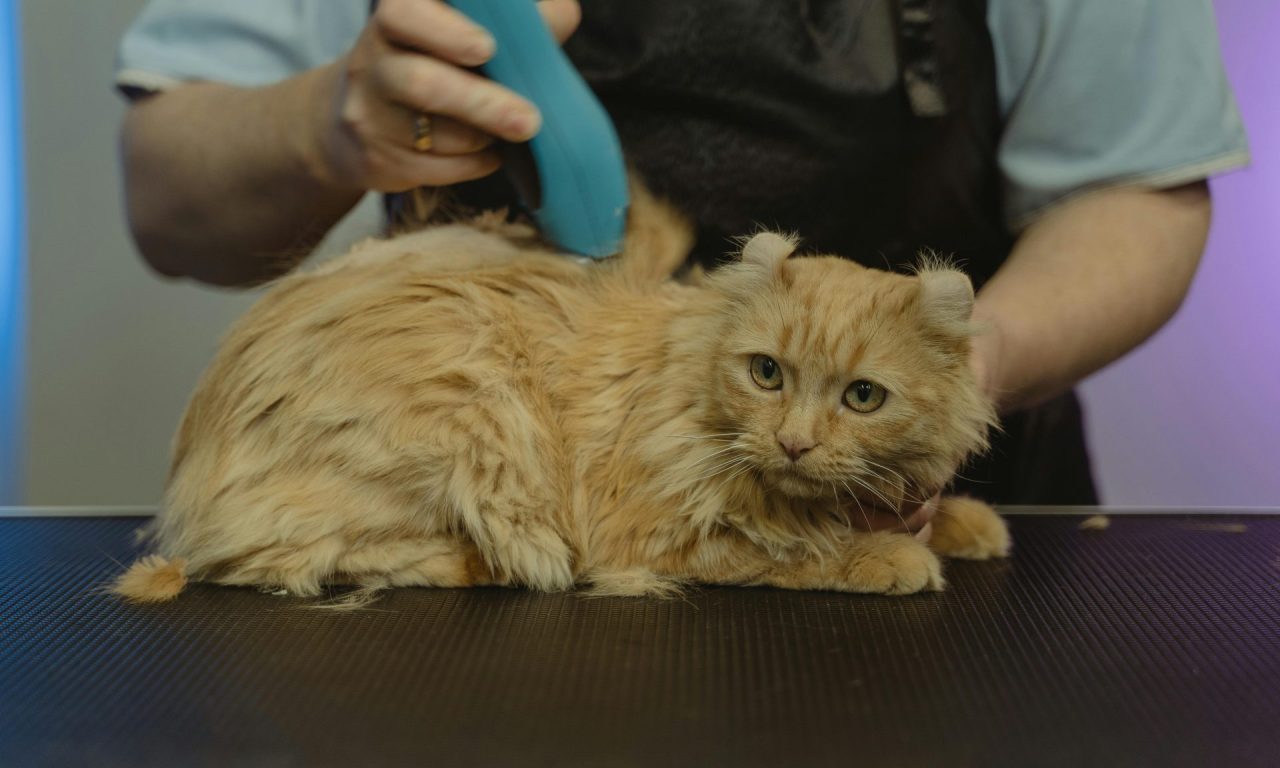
column 1153, row 642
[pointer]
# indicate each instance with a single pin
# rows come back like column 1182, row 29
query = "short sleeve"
column 240, row 42
column 1099, row 93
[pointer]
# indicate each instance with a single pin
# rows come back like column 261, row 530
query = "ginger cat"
column 461, row 406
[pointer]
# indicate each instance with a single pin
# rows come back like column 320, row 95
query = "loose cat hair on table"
column 462, row 406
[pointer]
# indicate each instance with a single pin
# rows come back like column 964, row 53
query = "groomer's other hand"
column 411, row 59
column 913, row 517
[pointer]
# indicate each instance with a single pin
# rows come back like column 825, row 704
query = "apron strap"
column 919, row 57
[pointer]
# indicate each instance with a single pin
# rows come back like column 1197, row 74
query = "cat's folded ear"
column 946, row 296
column 768, row 250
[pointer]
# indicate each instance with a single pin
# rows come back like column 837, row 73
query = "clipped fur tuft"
column 633, row 582
column 351, row 601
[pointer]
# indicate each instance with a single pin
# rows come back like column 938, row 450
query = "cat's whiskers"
column 725, row 466
column 902, row 483
column 835, row 496
column 717, row 455
column 857, row 501
column 722, row 437
column 874, row 491
column 878, row 465
column 730, row 440
column 905, row 484
column 744, row 469
column 718, row 469
column 719, row 451
column 974, row 479
column 886, row 501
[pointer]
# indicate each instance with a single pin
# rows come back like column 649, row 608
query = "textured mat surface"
column 1156, row 642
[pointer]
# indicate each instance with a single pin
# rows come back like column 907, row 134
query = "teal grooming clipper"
column 579, row 195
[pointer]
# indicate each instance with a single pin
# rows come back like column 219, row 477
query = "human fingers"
column 406, row 169
column 912, row 517
column 389, row 161
column 562, row 16
column 869, row 517
column 433, row 170
column 437, row 28
column 433, row 27
column 374, row 147
column 428, row 85
column 922, row 514
column 447, row 137
column 407, row 64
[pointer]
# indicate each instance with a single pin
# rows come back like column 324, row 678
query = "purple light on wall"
column 1193, row 417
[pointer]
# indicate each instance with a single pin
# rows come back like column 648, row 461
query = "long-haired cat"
column 461, row 406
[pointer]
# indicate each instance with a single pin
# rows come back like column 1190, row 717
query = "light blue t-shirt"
column 1094, row 93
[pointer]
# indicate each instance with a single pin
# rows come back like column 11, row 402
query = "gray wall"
column 113, row 349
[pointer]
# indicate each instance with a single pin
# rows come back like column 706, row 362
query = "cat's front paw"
column 969, row 529
column 894, row 564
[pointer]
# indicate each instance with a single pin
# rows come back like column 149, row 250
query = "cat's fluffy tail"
column 153, row 579
column 659, row 238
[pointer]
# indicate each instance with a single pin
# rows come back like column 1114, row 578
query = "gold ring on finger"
column 422, row 132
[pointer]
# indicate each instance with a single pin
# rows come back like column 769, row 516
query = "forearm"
column 1084, row 285
column 224, row 184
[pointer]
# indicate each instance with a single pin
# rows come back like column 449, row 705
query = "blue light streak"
column 12, row 259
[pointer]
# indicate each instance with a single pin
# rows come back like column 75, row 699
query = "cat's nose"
column 795, row 447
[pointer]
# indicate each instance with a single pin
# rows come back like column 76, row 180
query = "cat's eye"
column 864, row 396
column 766, row 372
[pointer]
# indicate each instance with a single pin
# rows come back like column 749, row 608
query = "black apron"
column 869, row 127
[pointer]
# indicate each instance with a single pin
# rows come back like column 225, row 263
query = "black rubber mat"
column 1156, row 642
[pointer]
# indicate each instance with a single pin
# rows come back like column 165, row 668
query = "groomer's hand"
column 913, row 517
column 411, row 59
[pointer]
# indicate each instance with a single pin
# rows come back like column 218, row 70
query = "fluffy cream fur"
column 461, row 406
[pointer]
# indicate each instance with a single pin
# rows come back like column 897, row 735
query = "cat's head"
column 835, row 376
